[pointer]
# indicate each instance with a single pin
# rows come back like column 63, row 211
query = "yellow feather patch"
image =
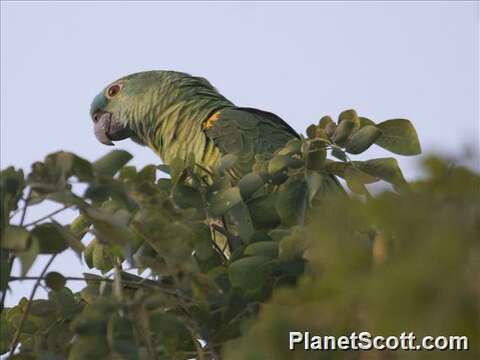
column 211, row 120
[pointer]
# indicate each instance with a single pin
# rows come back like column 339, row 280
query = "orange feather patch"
column 211, row 120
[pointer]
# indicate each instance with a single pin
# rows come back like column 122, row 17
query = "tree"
column 202, row 264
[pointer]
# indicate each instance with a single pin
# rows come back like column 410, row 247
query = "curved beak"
column 107, row 129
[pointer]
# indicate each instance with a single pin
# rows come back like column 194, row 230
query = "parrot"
column 176, row 114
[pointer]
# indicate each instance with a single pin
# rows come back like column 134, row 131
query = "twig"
column 25, row 207
column 152, row 283
column 11, row 257
column 16, row 338
column 48, row 216
column 233, row 240
column 198, row 348
column 9, row 266
column 215, row 245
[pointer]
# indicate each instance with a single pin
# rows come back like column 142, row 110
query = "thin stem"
column 25, row 207
column 48, row 215
column 11, row 256
column 227, row 234
column 198, row 348
column 9, row 267
column 16, row 338
column 366, row 193
column 215, row 245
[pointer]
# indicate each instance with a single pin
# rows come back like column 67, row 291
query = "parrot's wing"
column 246, row 132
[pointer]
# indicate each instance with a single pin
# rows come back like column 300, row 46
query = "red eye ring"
column 113, row 90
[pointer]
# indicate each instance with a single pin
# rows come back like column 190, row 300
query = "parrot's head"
column 132, row 107
column 119, row 104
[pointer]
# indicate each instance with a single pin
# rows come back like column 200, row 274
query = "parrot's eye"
column 113, row 90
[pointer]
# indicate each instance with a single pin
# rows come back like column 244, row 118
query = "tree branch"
column 11, row 256
column 16, row 338
column 48, row 215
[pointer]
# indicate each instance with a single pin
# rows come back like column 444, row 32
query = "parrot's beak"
column 107, row 129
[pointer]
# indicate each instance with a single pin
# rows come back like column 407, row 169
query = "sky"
column 301, row 60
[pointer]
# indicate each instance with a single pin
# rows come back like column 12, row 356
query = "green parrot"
column 176, row 114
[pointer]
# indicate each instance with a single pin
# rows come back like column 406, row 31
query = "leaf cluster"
column 190, row 257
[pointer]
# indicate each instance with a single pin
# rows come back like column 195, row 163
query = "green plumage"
column 167, row 111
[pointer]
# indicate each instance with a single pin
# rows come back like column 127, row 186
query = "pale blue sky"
column 417, row 60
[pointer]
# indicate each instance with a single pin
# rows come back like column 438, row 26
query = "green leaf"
column 325, row 121
column 399, row 136
column 227, row 162
column 249, row 184
column 263, row 211
column 362, row 139
column 339, row 154
column 386, row 169
column 28, row 257
column 291, row 202
column 5, row 269
column 249, row 273
column 164, row 168
column 110, row 228
column 330, row 129
column 121, row 337
column 15, row 238
column 80, row 226
column 353, row 182
column 240, row 217
column 70, row 237
column 225, row 200
column 81, row 168
column 67, row 198
column 281, row 162
column 314, row 182
column 349, row 115
column 89, row 347
column 12, row 183
column 42, row 307
column 65, row 301
column 262, row 248
column 336, row 167
column 187, row 197
column 315, row 159
column 88, row 253
column 343, row 131
column 55, row 280
column 311, row 131
column 102, row 257
column 147, row 174
column 50, row 240
column 292, row 147
column 8, row 333
column 177, row 167
column 292, row 246
column 365, row 121
column 109, row 164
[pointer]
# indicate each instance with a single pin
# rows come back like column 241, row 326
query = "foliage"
column 205, row 265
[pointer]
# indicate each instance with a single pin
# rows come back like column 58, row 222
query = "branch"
column 11, row 256
column 150, row 284
column 233, row 240
column 16, row 338
column 25, row 207
column 48, row 216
